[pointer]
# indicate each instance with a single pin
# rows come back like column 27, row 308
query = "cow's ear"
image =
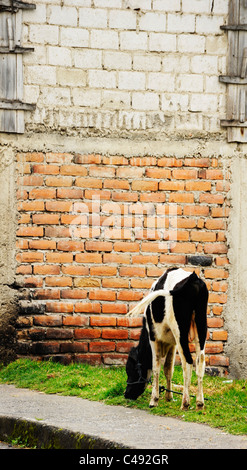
column 180, row 286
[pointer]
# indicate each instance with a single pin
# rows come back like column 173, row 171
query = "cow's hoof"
column 185, row 406
column 199, row 406
column 153, row 403
column 168, row 397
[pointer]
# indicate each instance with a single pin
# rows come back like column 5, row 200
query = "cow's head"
column 137, row 379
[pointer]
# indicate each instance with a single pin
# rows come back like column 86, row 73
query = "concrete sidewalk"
column 71, row 422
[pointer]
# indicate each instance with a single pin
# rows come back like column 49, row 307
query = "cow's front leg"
column 168, row 370
column 156, row 372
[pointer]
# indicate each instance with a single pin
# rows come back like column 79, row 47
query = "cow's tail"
column 147, row 300
column 201, row 314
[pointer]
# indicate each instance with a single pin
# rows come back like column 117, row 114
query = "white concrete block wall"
column 156, row 61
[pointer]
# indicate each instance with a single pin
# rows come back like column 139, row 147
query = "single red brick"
column 126, row 247
column 103, row 271
column 59, row 257
column 160, row 173
column 73, row 170
column 46, row 269
column 219, row 361
column 115, row 160
column 132, row 271
column 73, row 294
column 98, row 246
column 75, row 320
column 102, row 295
column 184, row 174
column 90, row 307
column 58, row 181
column 46, row 169
column 33, row 180
column 219, row 335
column 89, row 183
column 69, row 193
column 74, row 270
column 58, row 206
column 144, row 185
column 82, row 333
column 41, row 294
column 38, row 193
column 31, row 206
column 58, row 281
column 31, row 257
column 102, row 321
column 59, row 307
column 70, row 245
column 124, row 347
column 44, row 219
column 30, row 232
column 114, row 334
column 42, row 244
column 116, row 309
column 101, row 346
column 47, row 320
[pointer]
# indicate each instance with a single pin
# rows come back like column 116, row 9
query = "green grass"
column 225, row 409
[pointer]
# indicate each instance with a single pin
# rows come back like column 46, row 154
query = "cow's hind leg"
column 200, row 369
column 156, row 351
column 168, row 371
column 187, row 371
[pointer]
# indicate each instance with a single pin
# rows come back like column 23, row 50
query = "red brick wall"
column 94, row 233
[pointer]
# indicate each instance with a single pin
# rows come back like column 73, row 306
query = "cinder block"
column 122, row 19
column 88, row 59
column 180, row 23
column 59, row 56
column 191, row 43
column 162, row 42
column 74, row 37
column 104, row 39
column 161, row 81
column 153, row 22
column 71, row 77
column 63, row 16
column 131, row 80
column 101, row 79
column 146, row 62
column 132, row 41
column 166, row 5
column 117, row 60
column 43, row 34
column 92, row 18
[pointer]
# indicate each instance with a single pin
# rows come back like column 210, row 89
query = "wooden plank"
column 11, row 39
column 237, row 134
column 233, row 53
column 232, row 123
column 242, row 99
column 233, row 15
column 16, row 105
column 16, row 50
column 233, row 80
column 234, row 27
column 19, row 93
column 7, row 5
column 244, row 63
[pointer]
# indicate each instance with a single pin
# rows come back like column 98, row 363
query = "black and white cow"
column 176, row 308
